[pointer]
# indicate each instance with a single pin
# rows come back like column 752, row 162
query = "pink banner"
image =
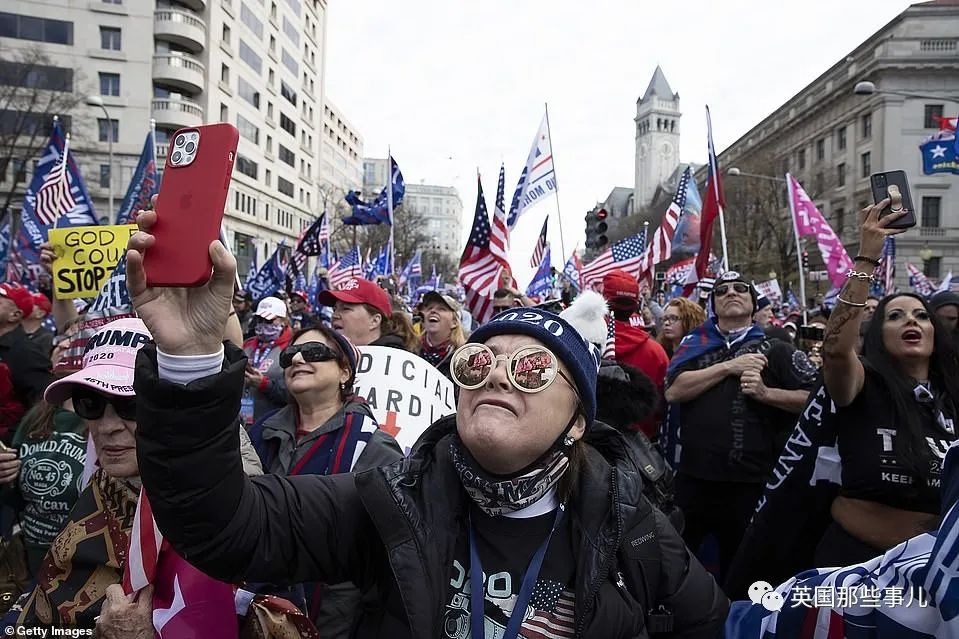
column 187, row 604
column 810, row 222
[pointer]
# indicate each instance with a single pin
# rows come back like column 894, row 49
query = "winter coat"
column 334, row 607
column 271, row 393
column 392, row 529
column 391, row 340
column 635, row 347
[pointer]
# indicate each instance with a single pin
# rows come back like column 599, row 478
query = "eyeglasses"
column 89, row 404
column 739, row 287
column 311, row 352
column 671, row 319
column 530, row 369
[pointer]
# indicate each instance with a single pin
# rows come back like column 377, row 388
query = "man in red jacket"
column 633, row 344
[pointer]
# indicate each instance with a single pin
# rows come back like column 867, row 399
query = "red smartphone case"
column 190, row 207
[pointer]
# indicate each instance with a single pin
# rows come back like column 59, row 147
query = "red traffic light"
column 601, row 214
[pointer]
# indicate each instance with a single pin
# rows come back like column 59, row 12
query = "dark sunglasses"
column 739, row 287
column 311, row 352
column 89, row 404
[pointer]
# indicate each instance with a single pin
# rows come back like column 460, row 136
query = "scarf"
column 705, row 339
column 496, row 495
column 434, row 354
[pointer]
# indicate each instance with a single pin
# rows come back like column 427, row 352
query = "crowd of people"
column 602, row 482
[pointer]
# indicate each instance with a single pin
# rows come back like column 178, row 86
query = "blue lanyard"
column 260, row 353
column 478, row 593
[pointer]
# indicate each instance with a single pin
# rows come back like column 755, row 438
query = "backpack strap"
column 640, row 563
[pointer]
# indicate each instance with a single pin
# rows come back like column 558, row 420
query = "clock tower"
column 657, row 137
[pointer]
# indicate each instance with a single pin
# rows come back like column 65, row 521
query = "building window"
column 36, row 76
column 290, row 30
column 841, row 174
column 866, row 126
column 840, row 215
column 841, row 138
column 247, row 166
column 254, row 61
column 13, row 25
column 226, row 34
column 112, row 1
column 248, row 92
column 272, row 44
column 268, row 178
column 820, row 182
column 284, row 186
column 224, row 74
column 931, row 267
column 931, row 210
column 289, row 62
column 287, row 124
column 104, row 176
column 287, row 93
column 287, row 156
column 269, row 110
column 248, row 17
column 224, row 113
column 930, row 115
column 109, row 130
column 865, row 163
column 247, row 129
column 110, row 84
column 820, row 149
column 110, row 38
column 802, row 159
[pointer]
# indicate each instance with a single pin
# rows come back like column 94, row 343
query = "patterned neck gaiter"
column 496, row 496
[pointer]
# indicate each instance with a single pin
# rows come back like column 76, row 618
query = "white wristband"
column 183, row 369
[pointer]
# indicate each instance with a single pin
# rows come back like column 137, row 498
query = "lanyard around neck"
column 478, row 592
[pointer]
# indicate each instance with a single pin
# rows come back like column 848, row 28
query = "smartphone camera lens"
column 190, row 147
column 180, row 140
column 177, row 156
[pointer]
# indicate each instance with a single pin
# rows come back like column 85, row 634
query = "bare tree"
column 32, row 92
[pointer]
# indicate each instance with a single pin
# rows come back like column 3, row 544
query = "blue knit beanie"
column 579, row 356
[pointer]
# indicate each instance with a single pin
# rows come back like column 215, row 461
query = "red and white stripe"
column 499, row 232
column 480, row 279
column 144, row 551
column 559, row 624
column 54, row 197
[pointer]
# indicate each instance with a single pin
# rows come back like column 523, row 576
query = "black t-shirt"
column 726, row 436
column 506, row 546
column 871, row 469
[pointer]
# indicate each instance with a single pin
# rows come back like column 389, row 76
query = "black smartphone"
column 894, row 185
column 812, row 333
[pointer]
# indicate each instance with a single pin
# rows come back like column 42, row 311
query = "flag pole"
column 549, row 132
column 802, row 276
column 389, row 201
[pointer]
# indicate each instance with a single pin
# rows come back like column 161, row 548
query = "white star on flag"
column 938, row 151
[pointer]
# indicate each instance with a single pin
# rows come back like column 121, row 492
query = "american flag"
column 54, row 197
column 889, row 265
column 660, row 248
column 610, row 351
column 919, row 282
column 145, row 542
column 714, row 203
column 479, row 269
column 345, row 269
column 540, row 247
column 499, row 239
column 626, row 255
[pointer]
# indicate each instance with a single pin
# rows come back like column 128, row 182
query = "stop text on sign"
column 85, row 256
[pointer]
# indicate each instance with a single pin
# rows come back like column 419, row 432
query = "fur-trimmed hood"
column 624, row 395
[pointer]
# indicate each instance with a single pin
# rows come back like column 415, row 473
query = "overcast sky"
column 456, row 85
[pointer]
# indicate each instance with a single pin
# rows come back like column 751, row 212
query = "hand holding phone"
column 189, row 207
column 895, row 186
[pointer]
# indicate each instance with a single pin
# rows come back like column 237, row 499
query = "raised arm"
column 842, row 370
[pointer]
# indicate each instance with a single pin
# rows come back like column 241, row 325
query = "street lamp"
column 925, row 253
column 97, row 101
column 773, row 275
column 736, row 172
column 869, row 88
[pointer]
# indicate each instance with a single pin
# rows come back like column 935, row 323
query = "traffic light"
column 805, row 260
column 596, row 227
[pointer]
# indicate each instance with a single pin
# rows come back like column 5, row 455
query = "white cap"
column 270, row 308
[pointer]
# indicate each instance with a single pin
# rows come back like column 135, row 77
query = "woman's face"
column 115, row 442
column 673, row 328
column 356, row 322
column 506, row 429
column 314, row 378
column 438, row 321
column 907, row 330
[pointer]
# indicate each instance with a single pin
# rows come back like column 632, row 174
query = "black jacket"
column 29, row 366
column 391, row 529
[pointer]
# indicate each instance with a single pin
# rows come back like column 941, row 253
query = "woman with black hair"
column 896, row 410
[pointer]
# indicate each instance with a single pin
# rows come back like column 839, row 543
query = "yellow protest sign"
column 85, row 256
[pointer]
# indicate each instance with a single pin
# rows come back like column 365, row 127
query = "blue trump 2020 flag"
column 33, row 231
column 270, row 278
column 380, row 210
column 542, row 282
column 940, row 154
column 144, row 184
